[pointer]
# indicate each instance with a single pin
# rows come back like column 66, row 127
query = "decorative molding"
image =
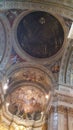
column 64, row 98
column 56, row 6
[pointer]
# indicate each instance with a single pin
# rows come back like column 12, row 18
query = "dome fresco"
column 40, row 34
column 26, row 100
column 29, row 92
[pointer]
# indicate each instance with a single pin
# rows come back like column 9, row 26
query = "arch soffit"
column 21, row 67
column 7, row 40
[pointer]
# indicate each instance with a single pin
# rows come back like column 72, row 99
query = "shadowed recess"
column 40, row 34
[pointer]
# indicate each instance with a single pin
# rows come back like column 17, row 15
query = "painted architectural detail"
column 32, row 73
column 12, row 14
column 68, row 22
column 14, row 58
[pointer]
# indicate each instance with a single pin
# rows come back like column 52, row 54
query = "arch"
column 30, row 67
column 66, row 64
column 34, row 76
column 5, row 41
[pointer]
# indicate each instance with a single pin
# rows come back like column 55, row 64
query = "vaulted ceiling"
column 34, row 54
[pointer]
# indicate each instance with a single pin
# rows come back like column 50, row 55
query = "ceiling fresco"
column 26, row 100
column 40, row 34
column 32, row 75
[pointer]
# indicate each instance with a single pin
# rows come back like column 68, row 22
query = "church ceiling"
column 37, row 35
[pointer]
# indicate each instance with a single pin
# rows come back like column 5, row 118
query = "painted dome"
column 40, row 34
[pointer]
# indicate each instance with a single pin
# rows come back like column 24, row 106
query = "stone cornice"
column 64, row 99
